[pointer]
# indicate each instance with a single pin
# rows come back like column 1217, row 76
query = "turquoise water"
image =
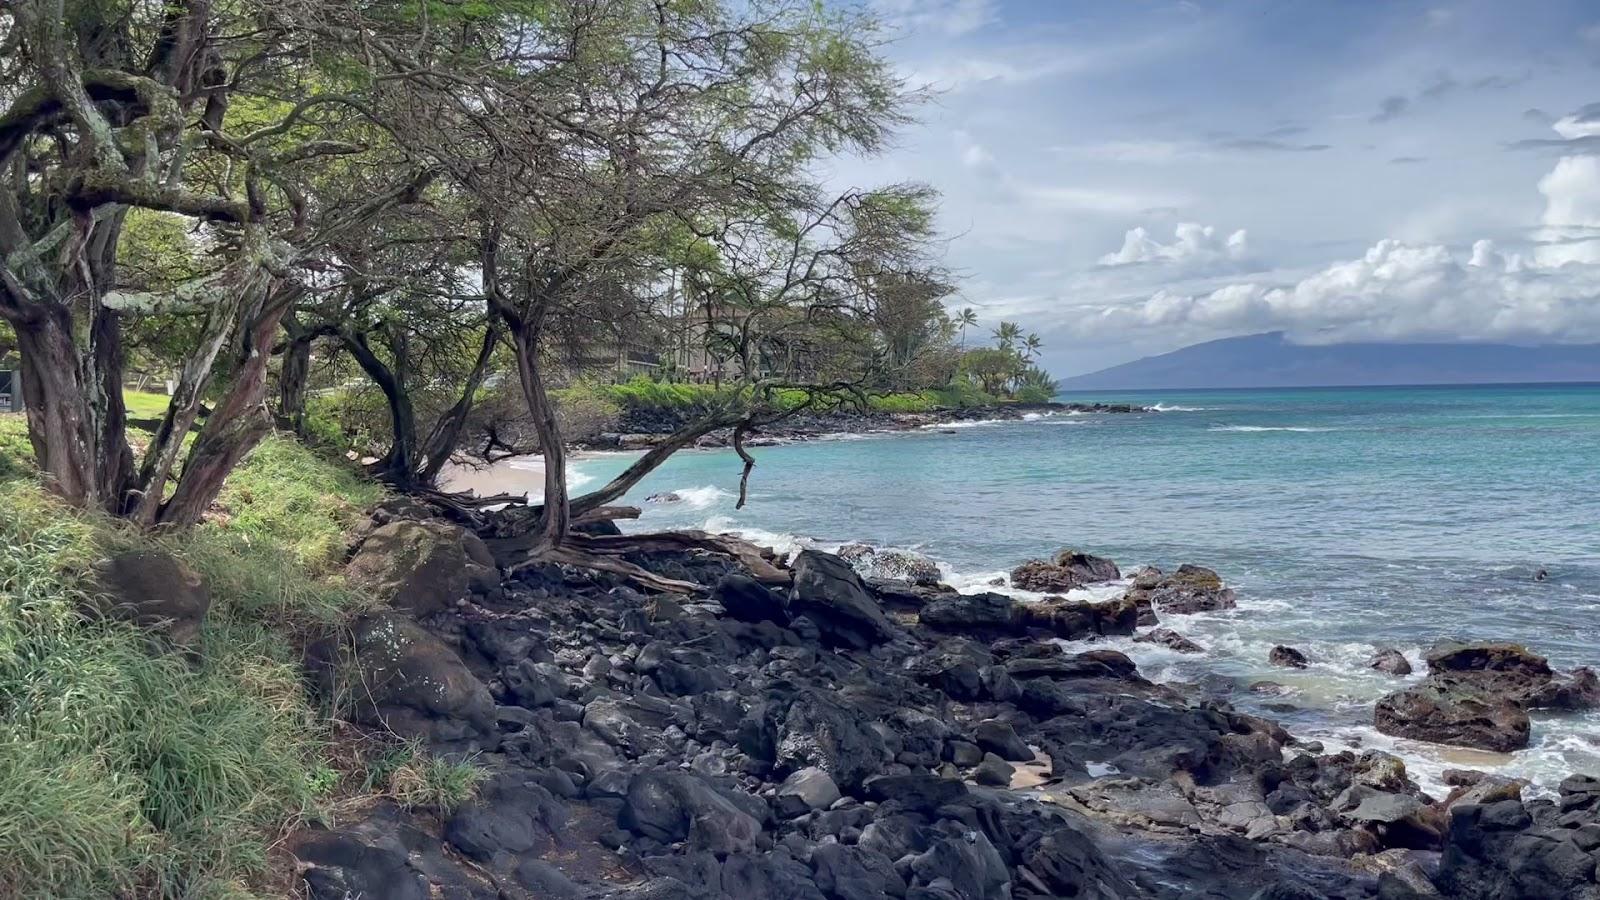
column 1347, row 518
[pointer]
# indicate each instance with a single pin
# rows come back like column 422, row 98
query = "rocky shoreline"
column 641, row 429
column 844, row 727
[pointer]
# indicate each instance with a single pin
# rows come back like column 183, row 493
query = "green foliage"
column 127, row 772
column 304, row 503
column 145, row 405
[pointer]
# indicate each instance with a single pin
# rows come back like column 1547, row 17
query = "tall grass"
column 128, row 771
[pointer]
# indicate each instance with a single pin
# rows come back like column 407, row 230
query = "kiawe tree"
column 180, row 107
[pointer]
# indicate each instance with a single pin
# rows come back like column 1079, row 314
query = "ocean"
column 1347, row 519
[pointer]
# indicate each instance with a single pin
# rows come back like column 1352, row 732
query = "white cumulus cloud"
column 1571, row 221
column 1191, row 244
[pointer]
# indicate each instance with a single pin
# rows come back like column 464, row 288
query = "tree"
column 1031, row 346
column 1007, row 334
column 965, row 319
column 115, row 108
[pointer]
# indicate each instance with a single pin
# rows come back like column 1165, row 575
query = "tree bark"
column 446, row 434
column 397, row 467
column 239, row 421
column 555, row 517
column 294, row 372
column 652, row 460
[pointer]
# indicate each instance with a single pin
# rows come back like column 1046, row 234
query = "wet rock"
column 154, row 591
column 1391, row 662
column 1287, row 657
column 979, row 615
column 1191, row 589
column 1430, row 712
column 1478, row 694
column 748, row 600
column 415, row 567
column 1066, row 570
column 1170, row 639
column 829, row 593
column 891, row 563
column 1077, row 620
column 954, row 667
column 1043, row 577
column 401, row 677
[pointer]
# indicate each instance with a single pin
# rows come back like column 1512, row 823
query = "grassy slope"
column 127, row 771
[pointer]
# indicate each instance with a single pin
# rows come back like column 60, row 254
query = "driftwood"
column 605, row 553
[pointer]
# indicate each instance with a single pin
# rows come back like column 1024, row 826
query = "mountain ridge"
column 1271, row 360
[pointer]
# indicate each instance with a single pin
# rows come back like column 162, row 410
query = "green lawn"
column 145, row 405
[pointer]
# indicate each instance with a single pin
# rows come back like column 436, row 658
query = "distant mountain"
column 1271, row 360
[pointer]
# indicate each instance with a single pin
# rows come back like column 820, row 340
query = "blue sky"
column 1130, row 176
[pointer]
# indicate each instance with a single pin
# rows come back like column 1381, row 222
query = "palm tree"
column 964, row 320
column 1030, row 346
column 1007, row 334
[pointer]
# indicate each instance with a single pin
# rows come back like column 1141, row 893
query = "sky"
column 1126, row 177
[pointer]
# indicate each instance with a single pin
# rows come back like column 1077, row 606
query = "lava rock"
column 1391, row 662
column 1287, row 657
column 1170, row 639
column 828, row 591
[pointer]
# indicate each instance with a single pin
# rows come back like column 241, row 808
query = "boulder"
column 1044, row 577
column 819, row 731
column 993, row 771
column 1076, row 620
column 980, row 615
column 806, row 790
column 1170, row 639
column 748, row 600
column 999, row 738
column 1500, row 851
column 855, row 873
column 398, row 675
column 338, row 865
column 415, row 567
column 1087, row 567
column 155, row 591
column 891, row 563
column 1191, row 589
column 1437, row 713
column 1391, row 662
column 915, row 793
column 1478, row 694
column 1288, row 657
column 830, row 593
column 671, row 807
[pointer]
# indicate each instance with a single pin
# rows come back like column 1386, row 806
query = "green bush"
column 16, row 453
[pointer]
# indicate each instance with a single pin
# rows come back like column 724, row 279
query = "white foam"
column 1255, row 428
column 1173, row 407
column 702, row 497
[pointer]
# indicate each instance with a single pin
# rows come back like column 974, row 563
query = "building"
column 10, row 390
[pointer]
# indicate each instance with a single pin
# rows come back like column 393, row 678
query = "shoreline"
column 848, row 716
column 641, row 431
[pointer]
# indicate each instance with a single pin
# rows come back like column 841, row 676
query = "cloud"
column 1581, row 124
column 1163, row 152
column 1571, row 220
column 1267, row 145
column 1391, row 108
column 1408, row 160
column 952, row 17
column 1192, row 246
column 1397, row 290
